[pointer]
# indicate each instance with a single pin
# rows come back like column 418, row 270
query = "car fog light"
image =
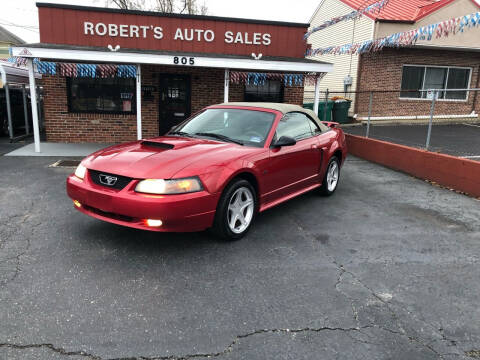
column 77, row 203
column 153, row 223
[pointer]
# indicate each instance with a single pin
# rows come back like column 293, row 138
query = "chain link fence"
column 441, row 120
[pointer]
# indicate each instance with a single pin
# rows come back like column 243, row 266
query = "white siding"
column 338, row 34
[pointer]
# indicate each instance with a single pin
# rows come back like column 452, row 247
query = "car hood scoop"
column 157, row 144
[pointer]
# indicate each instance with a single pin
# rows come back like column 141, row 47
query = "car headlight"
column 164, row 187
column 80, row 171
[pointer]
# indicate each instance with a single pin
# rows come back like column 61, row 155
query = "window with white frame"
column 416, row 78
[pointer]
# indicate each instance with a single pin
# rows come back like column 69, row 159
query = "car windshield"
column 241, row 126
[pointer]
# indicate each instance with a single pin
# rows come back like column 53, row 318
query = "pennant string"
column 356, row 14
column 78, row 70
column 259, row 79
column 407, row 38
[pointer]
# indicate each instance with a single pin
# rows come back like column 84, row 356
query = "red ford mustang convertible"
column 216, row 170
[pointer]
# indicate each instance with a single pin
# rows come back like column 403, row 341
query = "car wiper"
column 180, row 133
column 220, row 137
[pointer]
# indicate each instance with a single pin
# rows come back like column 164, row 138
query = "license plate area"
column 101, row 201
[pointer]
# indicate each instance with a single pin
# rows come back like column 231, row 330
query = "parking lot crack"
column 396, row 318
column 51, row 347
column 15, row 229
column 225, row 351
column 343, row 271
column 238, row 338
column 352, row 301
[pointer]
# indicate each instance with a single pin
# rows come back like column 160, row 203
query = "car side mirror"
column 285, row 141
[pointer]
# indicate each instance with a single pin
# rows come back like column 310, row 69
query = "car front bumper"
column 178, row 213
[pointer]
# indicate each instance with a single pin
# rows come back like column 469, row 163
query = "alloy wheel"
column 240, row 210
column 332, row 176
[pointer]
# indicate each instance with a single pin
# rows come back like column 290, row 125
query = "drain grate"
column 473, row 354
column 66, row 163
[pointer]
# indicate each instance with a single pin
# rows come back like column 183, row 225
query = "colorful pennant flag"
column 78, row 70
column 254, row 78
column 356, row 14
column 407, row 38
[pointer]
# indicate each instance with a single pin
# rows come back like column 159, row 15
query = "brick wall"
column 383, row 71
column 293, row 95
column 207, row 89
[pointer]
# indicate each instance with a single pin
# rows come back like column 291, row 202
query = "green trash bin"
column 321, row 109
column 340, row 111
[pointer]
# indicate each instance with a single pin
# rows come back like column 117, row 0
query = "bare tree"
column 192, row 7
column 127, row 4
column 167, row 6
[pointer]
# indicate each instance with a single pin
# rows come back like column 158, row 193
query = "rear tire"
column 331, row 178
column 236, row 210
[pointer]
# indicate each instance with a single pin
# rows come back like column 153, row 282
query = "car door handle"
column 314, row 146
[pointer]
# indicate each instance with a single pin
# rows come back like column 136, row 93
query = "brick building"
column 405, row 74
column 388, row 69
column 114, row 75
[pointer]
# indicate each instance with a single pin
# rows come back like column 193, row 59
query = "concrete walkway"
column 58, row 149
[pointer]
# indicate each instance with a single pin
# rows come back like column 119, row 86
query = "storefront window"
column 435, row 78
column 270, row 91
column 106, row 96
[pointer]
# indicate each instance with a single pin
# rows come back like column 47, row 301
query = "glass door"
column 174, row 101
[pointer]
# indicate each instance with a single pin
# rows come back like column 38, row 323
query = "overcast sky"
column 23, row 13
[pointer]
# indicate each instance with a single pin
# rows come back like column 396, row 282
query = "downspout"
column 474, row 103
column 357, row 85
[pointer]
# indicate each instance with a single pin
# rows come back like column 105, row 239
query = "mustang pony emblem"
column 108, row 180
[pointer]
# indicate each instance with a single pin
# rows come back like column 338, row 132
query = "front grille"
column 119, row 184
column 108, row 214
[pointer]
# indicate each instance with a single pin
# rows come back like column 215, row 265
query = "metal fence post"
column 25, row 110
column 9, row 111
column 326, row 106
column 369, row 113
column 432, row 111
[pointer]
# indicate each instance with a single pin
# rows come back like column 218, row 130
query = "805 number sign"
column 183, row 60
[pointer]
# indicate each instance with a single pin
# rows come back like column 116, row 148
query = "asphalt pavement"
column 386, row 268
column 461, row 140
column 6, row 146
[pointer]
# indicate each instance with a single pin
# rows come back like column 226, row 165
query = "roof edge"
column 18, row 40
column 317, row 9
column 435, row 6
column 171, row 15
column 299, row 65
column 351, row 7
column 40, row 45
column 395, row 21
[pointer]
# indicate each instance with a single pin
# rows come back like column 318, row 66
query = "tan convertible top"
column 284, row 108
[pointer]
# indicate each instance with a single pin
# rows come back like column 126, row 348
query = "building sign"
column 144, row 31
column 99, row 27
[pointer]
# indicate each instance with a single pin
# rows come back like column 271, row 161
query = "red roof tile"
column 401, row 10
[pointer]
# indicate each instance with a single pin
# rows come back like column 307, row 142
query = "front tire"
column 236, row 210
column 331, row 178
